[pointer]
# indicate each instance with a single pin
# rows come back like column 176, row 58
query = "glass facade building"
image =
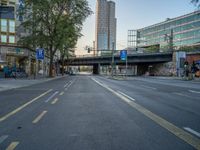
column 182, row 31
column 7, row 24
column 105, row 34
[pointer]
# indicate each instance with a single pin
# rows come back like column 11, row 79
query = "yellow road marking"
column 12, row 146
column 38, row 118
column 61, row 93
column 185, row 136
column 54, row 101
column 23, row 106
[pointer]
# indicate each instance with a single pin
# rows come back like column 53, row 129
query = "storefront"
column 14, row 58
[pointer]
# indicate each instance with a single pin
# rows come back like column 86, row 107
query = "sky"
column 133, row 14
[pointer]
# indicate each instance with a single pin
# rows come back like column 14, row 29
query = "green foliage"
column 54, row 24
column 189, row 48
column 153, row 48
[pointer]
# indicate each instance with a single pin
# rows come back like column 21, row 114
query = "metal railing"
column 117, row 53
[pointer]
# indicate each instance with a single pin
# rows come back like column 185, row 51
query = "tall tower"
column 105, row 25
column 112, row 21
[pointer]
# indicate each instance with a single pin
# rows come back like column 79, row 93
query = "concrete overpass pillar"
column 96, row 68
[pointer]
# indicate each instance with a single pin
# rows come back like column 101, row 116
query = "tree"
column 152, row 49
column 50, row 22
column 68, row 48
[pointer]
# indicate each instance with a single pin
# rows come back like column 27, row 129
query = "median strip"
column 38, row 118
column 180, row 133
column 23, row 106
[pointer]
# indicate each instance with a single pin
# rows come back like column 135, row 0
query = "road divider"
column 54, row 101
column 180, row 133
column 54, row 94
column 23, row 106
column 12, row 146
column 38, row 118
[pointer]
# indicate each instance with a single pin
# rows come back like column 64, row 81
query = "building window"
column 3, row 39
column 3, row 25
column 12, row 26
column 11, row 39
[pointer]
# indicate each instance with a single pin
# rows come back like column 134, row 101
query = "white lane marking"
column 54, row 94
column 111, row 90
column 23, row 106
column 69, row 85
column 181, row 94
column 3, row 138
column 12, row 146
column 38, row 118
column 126, row 95
column 180, row 133
column 192, row 131
column 61, row 93
column 198, row 92
column 149, row 87
column 54, row 101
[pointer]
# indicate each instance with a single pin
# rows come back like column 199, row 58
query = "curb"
column 39, row 81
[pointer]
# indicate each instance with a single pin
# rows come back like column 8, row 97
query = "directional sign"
column 123, row 55
column 40, row 54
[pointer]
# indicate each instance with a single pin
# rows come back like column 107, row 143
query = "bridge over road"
column 139, row 59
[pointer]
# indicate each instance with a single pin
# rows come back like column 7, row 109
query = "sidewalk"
column 172, row 78
column 151, row 77
column 10, row 83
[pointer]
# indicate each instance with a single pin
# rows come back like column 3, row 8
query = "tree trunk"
column 51, row 64
column 63, row 64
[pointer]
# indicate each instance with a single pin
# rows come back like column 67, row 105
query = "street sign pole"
column 124, row 57
column 40, row 56
column 112, row 63
column 126, row 64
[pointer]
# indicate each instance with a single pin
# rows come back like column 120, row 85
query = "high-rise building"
column 7, row 22
column 11, row 54
column 105, row 25
column 179, row 32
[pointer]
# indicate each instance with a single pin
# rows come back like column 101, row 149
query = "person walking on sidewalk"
column 193, row 69
column 186, row 70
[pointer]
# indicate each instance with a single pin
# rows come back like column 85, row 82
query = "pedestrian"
column 193, row 69
column 186, row 70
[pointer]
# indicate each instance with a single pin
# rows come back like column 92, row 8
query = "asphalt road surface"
column 96, row 113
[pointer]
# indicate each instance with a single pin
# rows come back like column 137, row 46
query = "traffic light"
column 88, row 49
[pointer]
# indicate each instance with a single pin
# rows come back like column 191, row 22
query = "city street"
column 86, row 112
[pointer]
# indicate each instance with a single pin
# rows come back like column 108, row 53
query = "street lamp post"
column 112, row 63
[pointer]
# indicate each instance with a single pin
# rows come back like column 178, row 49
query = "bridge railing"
column 117, row 53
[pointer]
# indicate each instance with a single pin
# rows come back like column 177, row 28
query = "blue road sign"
column 123, row 54
column 40, row 54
